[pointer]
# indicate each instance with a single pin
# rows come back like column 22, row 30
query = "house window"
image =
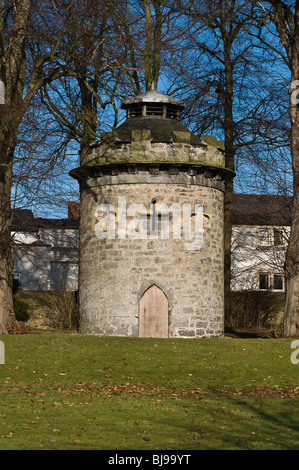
column 264, row 281
column 271, row 281
column 264, row 237
column 267, row 237
column 278, row 282
column 278, row 238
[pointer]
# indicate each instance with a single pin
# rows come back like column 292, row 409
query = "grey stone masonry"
column 114, row 273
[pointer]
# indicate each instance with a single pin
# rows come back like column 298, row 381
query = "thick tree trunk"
column 12, row 72
column 6, row 264
column 229, row 148
column 291, row 315
column 6, row 302
column 11, row 116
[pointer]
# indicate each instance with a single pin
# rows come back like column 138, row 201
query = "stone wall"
column 114, row 273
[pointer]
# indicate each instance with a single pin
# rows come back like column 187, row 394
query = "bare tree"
column 78, row 51
column 13, row 37
column 29, row 58
column 285, row 17
column 219, row 71
column 118, row 51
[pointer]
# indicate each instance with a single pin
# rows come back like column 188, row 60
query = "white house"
column 45, row 252
column 261, row 225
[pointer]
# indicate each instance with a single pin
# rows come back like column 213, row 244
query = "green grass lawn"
column 63, row 391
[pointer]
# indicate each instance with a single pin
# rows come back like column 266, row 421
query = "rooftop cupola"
column 154, row 105
column 153, row 134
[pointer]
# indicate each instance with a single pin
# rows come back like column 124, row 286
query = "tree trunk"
column 152, row 50
column 229, row 148
column 157, row 42
column 291, row 316
column 13, row 75
column 6, row 263
column 148, row 46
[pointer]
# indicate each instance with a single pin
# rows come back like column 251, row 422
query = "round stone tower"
column 151, row 227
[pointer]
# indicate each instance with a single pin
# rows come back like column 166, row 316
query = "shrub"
column 254, row 309
column 21, row 309
column 64, row 310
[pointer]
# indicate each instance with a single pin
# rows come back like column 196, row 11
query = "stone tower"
column 151, row 227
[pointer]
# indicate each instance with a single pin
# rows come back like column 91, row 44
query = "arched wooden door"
column 153, row 314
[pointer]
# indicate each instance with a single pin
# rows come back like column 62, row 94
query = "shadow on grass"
column 237, row 423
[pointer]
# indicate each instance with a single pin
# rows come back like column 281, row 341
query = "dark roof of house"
column 264, row 209
column 22, row 217
column 24, row 220
column 57, row 223
column 74, row 210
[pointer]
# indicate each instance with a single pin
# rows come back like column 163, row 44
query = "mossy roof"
column 162, row 129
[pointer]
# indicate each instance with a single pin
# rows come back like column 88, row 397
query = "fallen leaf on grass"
column 8, row 435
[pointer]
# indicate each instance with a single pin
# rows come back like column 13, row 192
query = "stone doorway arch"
column 153, row 313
